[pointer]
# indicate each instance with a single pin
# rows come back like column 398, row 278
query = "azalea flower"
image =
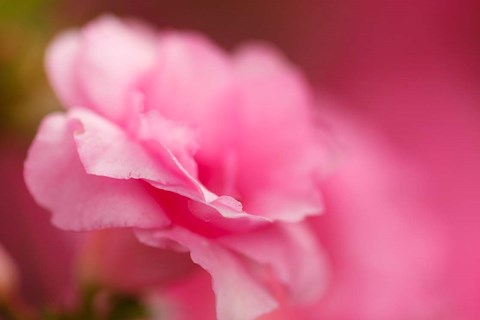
column 190, row 148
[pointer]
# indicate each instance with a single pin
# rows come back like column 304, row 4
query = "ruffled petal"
column 159, row 133
column 238, row 295
column 114, row 59
column 78, row 200
column 292, row 251
column 127, row 158
column 107, row 150
column 61, row 61
column 277, row 175
column 193, row 83
column 192, row 295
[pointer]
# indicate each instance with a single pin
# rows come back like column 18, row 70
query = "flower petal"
column 80, row 201
column 107, row 150
column 238, row 295
column 129, row 159
column 159, row 133
column 277, row 174
column 115, row 57
column 193, row 83
column 60, row 63
column 292, row 251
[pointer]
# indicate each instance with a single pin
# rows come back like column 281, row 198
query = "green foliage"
column 101, row 304
column 25, row 29
column 29, row 13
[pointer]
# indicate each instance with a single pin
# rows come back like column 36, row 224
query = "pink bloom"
column 192, row 149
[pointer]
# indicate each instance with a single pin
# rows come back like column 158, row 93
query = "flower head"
column 192, row 148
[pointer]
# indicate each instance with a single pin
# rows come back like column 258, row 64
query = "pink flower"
column 192, row 149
